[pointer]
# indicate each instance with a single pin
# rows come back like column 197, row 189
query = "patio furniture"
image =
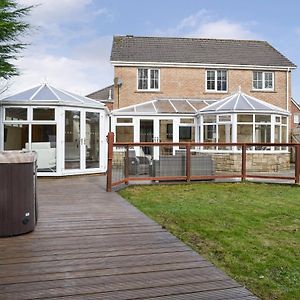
column 46, row 156
column 175, row 165
column 137, row 165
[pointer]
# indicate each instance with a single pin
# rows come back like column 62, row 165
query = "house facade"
column 148, row 68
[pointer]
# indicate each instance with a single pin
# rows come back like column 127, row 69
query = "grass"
column 250, row 231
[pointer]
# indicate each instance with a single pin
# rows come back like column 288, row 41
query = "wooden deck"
column 90, row 244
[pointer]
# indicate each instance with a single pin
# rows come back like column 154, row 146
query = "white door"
column 81, row 141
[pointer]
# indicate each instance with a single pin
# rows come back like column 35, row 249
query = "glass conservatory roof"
column 48, row 94
column 241, row 102
column 165, row 106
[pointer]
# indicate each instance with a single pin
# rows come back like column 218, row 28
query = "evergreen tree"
column 12, row 27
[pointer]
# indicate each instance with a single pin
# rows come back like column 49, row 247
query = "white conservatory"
column 67, row 131
column 238, row 118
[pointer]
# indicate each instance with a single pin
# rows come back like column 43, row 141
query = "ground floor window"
column 15, row 136
column 124, row 133
column 256, row 128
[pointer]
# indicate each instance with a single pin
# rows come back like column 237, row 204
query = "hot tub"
column 18, row 203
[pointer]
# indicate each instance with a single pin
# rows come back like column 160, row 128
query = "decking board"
column 90, row 244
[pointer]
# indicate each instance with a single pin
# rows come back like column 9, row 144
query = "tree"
column 12, row 28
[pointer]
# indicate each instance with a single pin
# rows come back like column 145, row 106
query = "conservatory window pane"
column 16, row 114
column 16, row 137
column 283, row 134
column 225, row 133
column 245, row 118
column 277, row 134
column 44, row 143
column 284, row 120
column 43, row 114
column 187, row 121
column 244, row 133
column 209, row 119
column 262, row 119
column 124, row 133
column 210, row 133
column 263, row 133
column 186, row 134
column 124, row 120
column 225, row 118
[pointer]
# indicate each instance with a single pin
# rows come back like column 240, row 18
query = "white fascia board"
column 131, row 114
column 295, row 103
column 252, row 112
column 195, row 65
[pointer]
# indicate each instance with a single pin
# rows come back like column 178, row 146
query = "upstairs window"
column 148, row 79
column 216, row 80
column 263, row 81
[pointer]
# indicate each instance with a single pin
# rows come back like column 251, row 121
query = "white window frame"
column 148, row 79
column 263, row 81
column 215, row 90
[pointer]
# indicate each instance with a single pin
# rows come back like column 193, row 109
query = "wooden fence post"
column 126, row 171
column 110, row 153
column 297, row 163
column 244, row 162
column 188, row 162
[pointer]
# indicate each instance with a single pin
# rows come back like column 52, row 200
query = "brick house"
column 204, row 90
column 158, row 67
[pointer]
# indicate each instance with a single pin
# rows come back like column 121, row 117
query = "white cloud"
column 65, row 50
column 204, row 24
column 87, row 70
column 223, row 29
column 55, row 10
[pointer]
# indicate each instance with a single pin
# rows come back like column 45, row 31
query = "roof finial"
column 45, row 80
column 240, row 89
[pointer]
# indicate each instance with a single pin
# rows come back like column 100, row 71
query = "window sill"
column 216, row 92
column 263, row 91
column 148, row 91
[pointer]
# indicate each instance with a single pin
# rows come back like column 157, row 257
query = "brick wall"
column 294, row 110
column 190, row 82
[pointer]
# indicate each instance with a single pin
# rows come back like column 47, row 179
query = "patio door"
column 156, row 130
column 81, row 141
column 73, row 140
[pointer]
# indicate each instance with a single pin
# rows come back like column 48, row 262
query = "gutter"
column 287, row 88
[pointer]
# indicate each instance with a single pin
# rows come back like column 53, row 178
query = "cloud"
column 207, row 25
column 60, row 11
column 66, row 49
column 87, row 70
column 223, row 29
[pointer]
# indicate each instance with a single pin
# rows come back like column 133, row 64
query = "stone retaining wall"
column 256, row 162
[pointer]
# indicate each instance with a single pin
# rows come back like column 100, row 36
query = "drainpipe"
column 287, row 89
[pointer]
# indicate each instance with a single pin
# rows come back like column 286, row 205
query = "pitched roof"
column 105, row 94
column 241, row 102
column 45, row 94
column 165, row 106
column 196, row 51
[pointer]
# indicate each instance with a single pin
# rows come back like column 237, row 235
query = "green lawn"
column 251, row 231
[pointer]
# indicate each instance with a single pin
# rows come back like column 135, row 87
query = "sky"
column 70, row 40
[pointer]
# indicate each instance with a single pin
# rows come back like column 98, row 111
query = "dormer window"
column 216, row 81
column 263, row 81
column 148, row 79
